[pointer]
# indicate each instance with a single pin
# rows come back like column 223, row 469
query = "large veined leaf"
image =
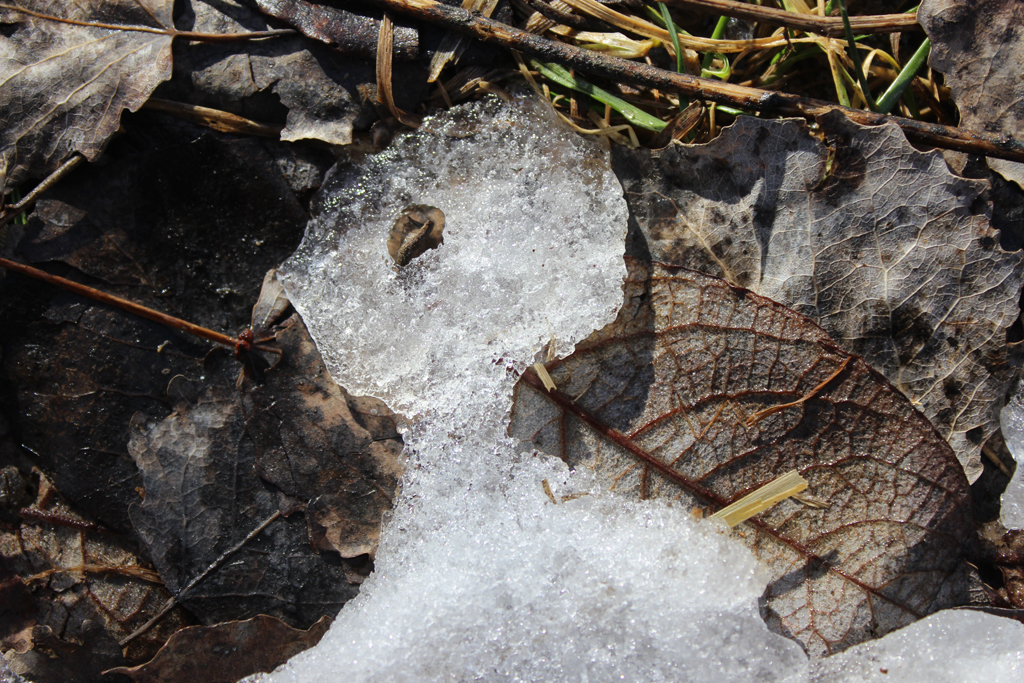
column 63, row 86
column 878, row 243
column 703, row 392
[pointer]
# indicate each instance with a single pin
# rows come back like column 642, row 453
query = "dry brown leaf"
column 80, row 370
column 658, row 404
column 227, row 460
column 204, row 500
column 63, row 87
column 876, row 242
column 226, row 652
column 979, row 48
column 73, row 589
column 326, row 94
column 339, row 454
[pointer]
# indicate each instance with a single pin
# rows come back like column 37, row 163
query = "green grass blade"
column 715, row 35
column 903, row 81
column 671, row 27
column 560, row 75
column 854, row 53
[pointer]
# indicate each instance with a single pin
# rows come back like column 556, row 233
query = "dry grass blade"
column 226, row 122
column 827, row 26
column 385, row 41
column 453, row 45
column 645, row 28
column 789, row 484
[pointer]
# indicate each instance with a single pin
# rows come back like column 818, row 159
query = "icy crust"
column 954, row 646
column 525, row 590
column 533, row 242
column 1011, row 421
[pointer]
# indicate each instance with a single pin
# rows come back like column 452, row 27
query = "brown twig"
column 123, row 304
column 751, row 99
column 12, row 210
column 206, row 572
column 162, row 30
column 812, row 23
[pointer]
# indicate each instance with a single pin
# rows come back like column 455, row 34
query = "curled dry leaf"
column 665, row 402
column 876, row 242
column 63, row 86
column 979, row 48
column 226, row 652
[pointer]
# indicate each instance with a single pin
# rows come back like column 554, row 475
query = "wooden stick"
column 812, row 23
column 123, row 304
column 11, row 210
column 752, row 99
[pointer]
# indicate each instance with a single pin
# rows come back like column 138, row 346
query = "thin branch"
column 812, row 23
column 184, row 591
column 123, row 304
column 751, row 99
column 12, row 210
column 172, row 32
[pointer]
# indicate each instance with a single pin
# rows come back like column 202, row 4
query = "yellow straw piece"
column 542, row 372
column 762, row 499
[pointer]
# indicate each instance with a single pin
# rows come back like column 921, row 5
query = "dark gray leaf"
column 63, row 87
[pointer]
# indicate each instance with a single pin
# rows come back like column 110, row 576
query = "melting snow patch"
column 954, row 646
column 479, row 576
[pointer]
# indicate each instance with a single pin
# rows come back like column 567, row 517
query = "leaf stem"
column 123, row 304
column 191, row 584
column 172, row 32
column 28, row 200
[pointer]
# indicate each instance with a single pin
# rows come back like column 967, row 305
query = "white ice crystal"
column 480, row 574
column 954, row 646
column 1011, row 421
